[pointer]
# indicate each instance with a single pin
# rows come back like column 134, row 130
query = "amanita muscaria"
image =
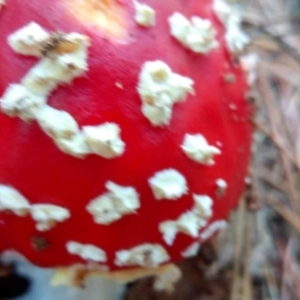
column 124, row 129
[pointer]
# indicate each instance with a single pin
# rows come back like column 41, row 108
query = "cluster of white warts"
column 46, row 216
column 64, row 58
column 110, row 207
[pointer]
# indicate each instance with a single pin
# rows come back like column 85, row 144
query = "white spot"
column 11, row 200
column 168, row 184
column 57, row 124
column 104, row 140
column 119, row 85
column 28, row 40
column 192, row 250
column 169, row 230
column 147, row 255
column 190, row 222
column 112, row 206
column 37, row 81
column 19, row 101
column 159, row 89
column 196, row 34
column 203, row 206
column 47, row 216
column 221, row 187
column 212, row 229
column 247, row 180
column 103, row 210
column 196, row 148
column 232, row 106
column 236, row 39
column 144, row 14
column 75, row 146
column 221, row 183
column 86, row 252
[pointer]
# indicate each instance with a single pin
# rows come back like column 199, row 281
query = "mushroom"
column 112, row 113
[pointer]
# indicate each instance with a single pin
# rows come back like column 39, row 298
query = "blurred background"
column 258, row 255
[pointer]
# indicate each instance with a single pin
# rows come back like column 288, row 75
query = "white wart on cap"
column 168, row 184
column 159, row 89
column 146, row 255
column 196, row 34
column 190, row 222
column 113, row 205
column 48, row 215
column 86, row 251
column 11, row 200
column 196, row 147
column 144, row 14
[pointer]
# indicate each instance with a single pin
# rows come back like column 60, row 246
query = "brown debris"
column 251, row 197
column 229, row 78
column 194, row 285
column 52, row 44
column 39, row 243
column 57, row 44
column 6, row 270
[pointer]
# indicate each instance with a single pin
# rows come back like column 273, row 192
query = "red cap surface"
column 163, row 117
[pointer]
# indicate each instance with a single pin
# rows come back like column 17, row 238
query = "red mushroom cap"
column 124, row 130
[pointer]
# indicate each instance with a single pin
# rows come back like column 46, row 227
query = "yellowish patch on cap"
column 108, row 15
